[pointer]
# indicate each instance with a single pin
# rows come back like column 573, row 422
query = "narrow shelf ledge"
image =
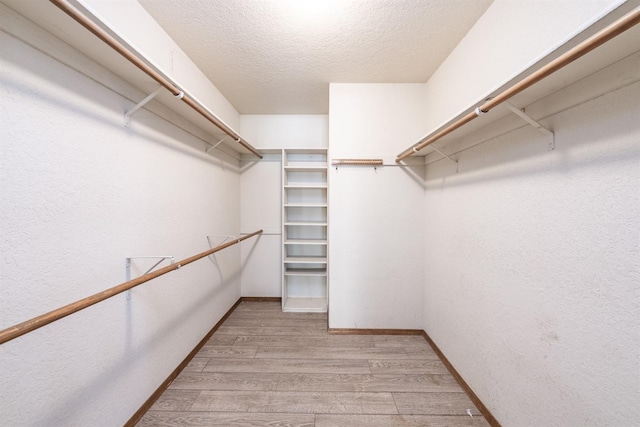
column 305, row 260
column 306, row 168
column 305, row 242
column 310, row 272
column 304, row 186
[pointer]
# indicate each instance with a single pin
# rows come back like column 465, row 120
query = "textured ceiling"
column 278, row 56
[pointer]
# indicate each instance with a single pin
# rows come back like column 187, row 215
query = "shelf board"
column 305, row 205
column 305, row 260
column 318, row 305
column 306, row 168
column 305, row 186
column 306, row 224
column 305, row 242
column 319, row 272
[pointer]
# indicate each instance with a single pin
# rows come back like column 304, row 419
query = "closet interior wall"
column 80, row 193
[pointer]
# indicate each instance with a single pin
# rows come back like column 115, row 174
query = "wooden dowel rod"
column 357, row 162
column 42, row 320
column 616, row 28
column 103, row 35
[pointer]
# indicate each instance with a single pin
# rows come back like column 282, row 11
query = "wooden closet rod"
column 78, row 16
column 618, row 27
column 38, row 322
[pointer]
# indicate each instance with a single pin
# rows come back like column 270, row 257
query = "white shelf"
column 305, row 205
column 305, row 260
column 306, row 224
column 305, row 186
column 306, row 168
column 309, row 272
column 317, row 305
column 305, row 242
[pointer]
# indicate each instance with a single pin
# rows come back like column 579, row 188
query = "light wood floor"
column 267, row 368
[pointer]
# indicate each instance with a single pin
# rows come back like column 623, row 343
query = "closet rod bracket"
column 519, row 112
column 160, row 259
column 445, row 156
column 216, row 145
column 139, row 105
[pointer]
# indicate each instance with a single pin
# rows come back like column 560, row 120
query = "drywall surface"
column 286, row 131
column 80, row 193
column 375, row 216
column 508, row 38
column 142, row 32
column 261, row 185
column 533, row 265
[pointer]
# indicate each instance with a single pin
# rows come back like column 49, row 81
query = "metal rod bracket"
column 517, row 111
column 128, row 267
column 216, row 144
column 139, row 105
column 446, row 156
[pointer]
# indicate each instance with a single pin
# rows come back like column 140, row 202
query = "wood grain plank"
column 434, row 403
column 225, row 381
column 407, row 367
column 368, row 383
column 330, row 353
column 267, row 322
column 272, row 330
column 219, row 339
column 327, row 420
column 175, row 400
column 196, row 364
column 259, row 305
column 278, row 315
column 222, row 351
column 225, row 419
column 424, row 353
column 354, row 366
column 400, row 341
column 294, row 402
column 305, row 341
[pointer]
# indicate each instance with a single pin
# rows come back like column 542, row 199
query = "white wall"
column 142, row 32
column 79, row 194
column 376, row 228
column 509, row 37
column 531, row 286
column 261, row 201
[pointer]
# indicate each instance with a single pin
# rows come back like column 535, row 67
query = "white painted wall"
column 532, row 258
column 79, row 194
column 261, row 200
column 146, row 36
column 511, row 36
column 376, row 226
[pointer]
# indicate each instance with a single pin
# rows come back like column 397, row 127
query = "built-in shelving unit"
column 304, row 230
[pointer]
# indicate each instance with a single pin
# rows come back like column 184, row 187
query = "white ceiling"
column 278, row 56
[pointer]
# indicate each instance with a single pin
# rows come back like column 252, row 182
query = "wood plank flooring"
column 264, row 367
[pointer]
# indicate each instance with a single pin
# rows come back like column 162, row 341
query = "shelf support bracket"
column 446, row 156
column 216, row 145
column 128, row 266
column 532, row 122
column 139, row 105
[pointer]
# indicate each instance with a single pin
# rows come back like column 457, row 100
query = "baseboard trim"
column 166, row 383
column 346, row 331
column 474, row 398
column 261, row 299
